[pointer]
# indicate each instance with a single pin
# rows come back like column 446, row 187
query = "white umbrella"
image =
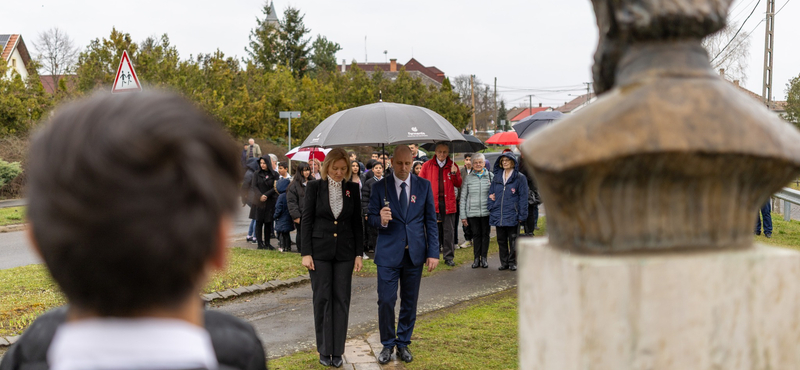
column 304, row 154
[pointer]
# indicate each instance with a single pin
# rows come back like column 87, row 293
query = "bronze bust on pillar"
column 670, row 156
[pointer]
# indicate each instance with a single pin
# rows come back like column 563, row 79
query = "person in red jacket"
column 444, row 177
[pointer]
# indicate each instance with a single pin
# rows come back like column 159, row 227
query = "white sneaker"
column 364, row 256
column 466, row 244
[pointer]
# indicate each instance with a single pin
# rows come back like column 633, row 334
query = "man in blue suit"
column 401, row 207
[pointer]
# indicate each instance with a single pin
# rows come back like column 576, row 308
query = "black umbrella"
column 471, row 144
column 529, row 124
column 382, row 123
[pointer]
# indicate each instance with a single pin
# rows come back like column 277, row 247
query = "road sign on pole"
column 126, row 80
column 289, row 115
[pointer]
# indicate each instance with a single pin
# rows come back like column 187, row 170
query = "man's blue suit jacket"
column 416, row 229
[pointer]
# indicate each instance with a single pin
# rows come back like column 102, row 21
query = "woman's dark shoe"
column 261, row 245
column 336, row 361
column 484, row 262
column 512, row 267
column 477, row 263
column 503, row 267
column 325, row 360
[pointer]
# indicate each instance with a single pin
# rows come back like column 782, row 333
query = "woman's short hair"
column 478, row 157
column 333, row 156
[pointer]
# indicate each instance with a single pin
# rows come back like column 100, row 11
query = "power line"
column 737, row 32
column 784, row 4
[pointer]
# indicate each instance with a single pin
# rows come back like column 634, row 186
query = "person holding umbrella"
column 444, row 177
column 508, row 207
column 332, row 246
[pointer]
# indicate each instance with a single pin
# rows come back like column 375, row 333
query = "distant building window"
column 13, row 63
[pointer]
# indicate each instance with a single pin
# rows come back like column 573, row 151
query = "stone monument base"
column 731, row 309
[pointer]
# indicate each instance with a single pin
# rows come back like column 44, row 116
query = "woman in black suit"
column 332, row 246
column 264, row 198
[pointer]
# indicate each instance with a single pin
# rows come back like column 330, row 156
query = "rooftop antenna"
column 365, row 49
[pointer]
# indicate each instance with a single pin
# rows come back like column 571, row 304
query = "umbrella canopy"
column 471, row 144
column 382, row 123
column 529, row 124
column 304, row 154
column 505, row 138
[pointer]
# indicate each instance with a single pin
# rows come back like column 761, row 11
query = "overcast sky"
column 540, row 47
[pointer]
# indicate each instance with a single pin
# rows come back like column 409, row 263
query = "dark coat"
column 327, row 238
column 263, row 183
column 295, row 197
column 283, row 221
column 511, row 199
column 533, row 189
column 247, row 183
column 366, row 190
column 235, row 342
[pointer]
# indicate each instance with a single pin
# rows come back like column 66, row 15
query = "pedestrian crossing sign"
column 126, row 80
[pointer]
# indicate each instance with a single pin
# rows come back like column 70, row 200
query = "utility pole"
column 472, row 91
column 497, row 119
column 768, row 43
column 588, row 91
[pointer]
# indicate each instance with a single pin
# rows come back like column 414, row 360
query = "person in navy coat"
column 401, row 207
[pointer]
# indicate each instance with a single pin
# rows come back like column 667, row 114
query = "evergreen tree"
column 294, row 45
column 502, row 115
column 264, row 50
column 97, row 65
column 324, row 57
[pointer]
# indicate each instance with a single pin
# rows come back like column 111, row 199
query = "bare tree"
column 729, row 49
column 56, row 52
column 484, row 100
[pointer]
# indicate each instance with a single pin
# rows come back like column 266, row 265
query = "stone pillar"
column 690, row 310
column 651, row 195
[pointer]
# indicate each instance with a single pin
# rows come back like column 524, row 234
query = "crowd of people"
column 472, row 196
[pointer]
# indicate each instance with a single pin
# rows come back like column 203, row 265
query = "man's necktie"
column 403, row 199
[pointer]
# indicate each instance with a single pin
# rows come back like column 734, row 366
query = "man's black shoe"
column 385, row 355
column 758, row 232
column 503, row 267
column 336, row 361
column 477, row 263
column 325, row 360
column 512, row 267
column 405, row 354
column 768, row 235
column 449, row 263
column 484, row 262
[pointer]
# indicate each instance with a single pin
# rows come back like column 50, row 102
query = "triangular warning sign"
column 126, row 80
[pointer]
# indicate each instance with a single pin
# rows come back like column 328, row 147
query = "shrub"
column 9, row 171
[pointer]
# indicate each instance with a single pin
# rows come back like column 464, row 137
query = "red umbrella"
column 505, row 138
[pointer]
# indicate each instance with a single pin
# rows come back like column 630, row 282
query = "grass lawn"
column 28, row 291
column 784, row 233
column 477, row 334
column 12, row 215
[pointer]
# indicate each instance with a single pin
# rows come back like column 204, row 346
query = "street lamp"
column 289, row 115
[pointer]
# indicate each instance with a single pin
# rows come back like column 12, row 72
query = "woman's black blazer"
column 327, row 238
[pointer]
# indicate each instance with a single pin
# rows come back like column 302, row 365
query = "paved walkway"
column 283, row 318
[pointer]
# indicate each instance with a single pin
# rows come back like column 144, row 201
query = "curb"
column 218, row 296
column 255, row 288
column 12, row 228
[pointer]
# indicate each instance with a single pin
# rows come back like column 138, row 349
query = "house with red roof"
column 529, row 112
column 15, row 55
column 429, row 75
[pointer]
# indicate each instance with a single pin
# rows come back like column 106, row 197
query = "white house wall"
column 20, row 65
